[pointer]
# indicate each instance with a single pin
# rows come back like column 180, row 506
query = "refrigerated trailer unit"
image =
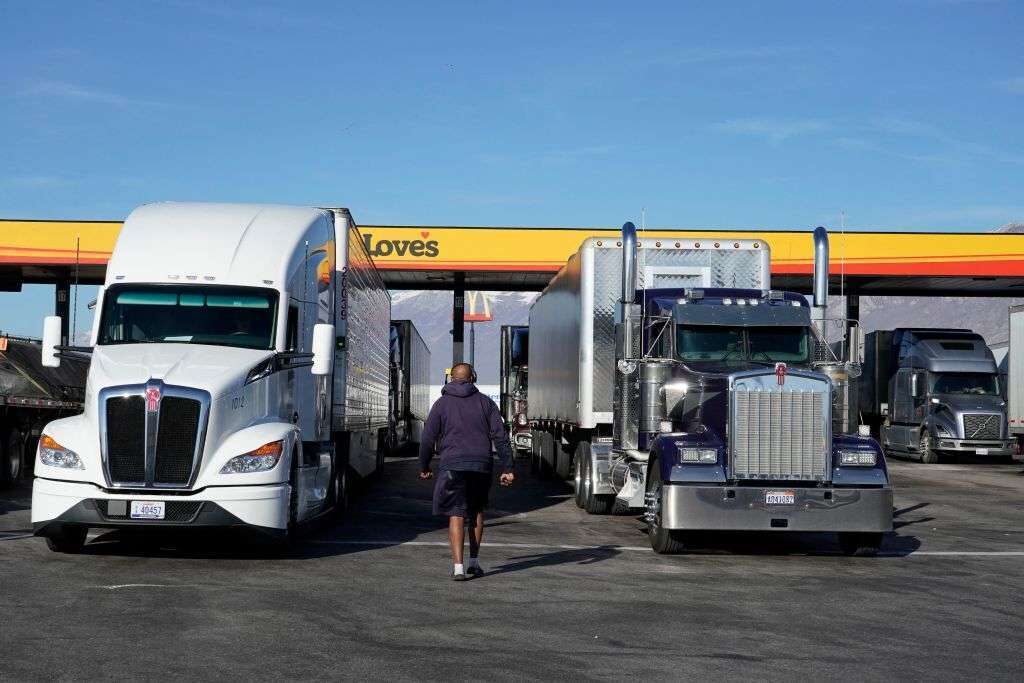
column 30, row 396
column 1014, row 371
column 927, row 392
column 239, row 375
column 671, row 378
column 513, row 382
column 410, row 384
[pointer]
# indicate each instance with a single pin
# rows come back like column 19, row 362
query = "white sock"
column 459, row 569
column 474, row 562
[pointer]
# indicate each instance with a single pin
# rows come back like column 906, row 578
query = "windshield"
column 965, row 383
column 764, row 344
column 220, row 316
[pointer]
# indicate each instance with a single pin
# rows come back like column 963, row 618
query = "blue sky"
column 905, row 114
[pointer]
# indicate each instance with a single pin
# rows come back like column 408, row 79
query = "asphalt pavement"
column 566, row 596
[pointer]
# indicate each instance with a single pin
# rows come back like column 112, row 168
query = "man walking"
column 464, row 424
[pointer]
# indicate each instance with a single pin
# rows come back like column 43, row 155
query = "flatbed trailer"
column 30, row 396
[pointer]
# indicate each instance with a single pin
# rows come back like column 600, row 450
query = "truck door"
column 901, row 409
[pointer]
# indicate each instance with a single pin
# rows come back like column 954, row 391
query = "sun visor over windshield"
column 742, row 316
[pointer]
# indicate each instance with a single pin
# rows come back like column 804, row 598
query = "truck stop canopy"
column 516, row 258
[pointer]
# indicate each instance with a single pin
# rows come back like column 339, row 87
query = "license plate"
column 779, row 498
column 147, row 509
column 981, row 451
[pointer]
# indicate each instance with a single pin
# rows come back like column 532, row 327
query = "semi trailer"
column 513, row 383
column 928, row 392
column 673, row 379
column 238, row 377
column 410, row 384
column 30, row 396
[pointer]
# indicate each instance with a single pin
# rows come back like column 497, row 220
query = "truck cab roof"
column 214, row 243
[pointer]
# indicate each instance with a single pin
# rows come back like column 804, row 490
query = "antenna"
column 74, row 299
column 842, row 255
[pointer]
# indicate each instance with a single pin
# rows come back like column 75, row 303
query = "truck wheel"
column 11, row 459
column 593, row 503
column 340, row 487
column 582, row 453
column 546, row 451
column 535, row 452
column 68, row 540
column 924, row 450
column 663, row 541
column 860, row 544
column 563, row 460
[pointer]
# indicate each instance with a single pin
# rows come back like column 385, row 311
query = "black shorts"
column 461, row 494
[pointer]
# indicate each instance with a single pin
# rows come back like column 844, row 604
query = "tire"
column 68, row 540
column 341, row 487
column 594, row 504
column 663, row 541
column 577, row 472
column 860, row 544
column 12, row 461
column 535, row 452
column 563, row 460
column 924, row 450
column 546, row 453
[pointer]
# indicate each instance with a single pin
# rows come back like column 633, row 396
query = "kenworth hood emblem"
column 780, row 373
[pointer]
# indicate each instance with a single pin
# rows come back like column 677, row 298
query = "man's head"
column 462, row 372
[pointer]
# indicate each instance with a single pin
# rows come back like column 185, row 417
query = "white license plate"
column 779, row 498
column 981, row 451
column 147, row 509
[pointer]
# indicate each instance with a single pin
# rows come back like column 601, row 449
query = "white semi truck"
column 239, row 376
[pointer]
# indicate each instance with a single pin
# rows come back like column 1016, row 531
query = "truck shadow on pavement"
column 390, row 509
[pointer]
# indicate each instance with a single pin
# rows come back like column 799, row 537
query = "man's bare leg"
column 456, row 536
column 476, row 535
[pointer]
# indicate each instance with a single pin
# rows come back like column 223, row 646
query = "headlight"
column 857, row 458
column 521, row 420
column 705, row 456
column 260, row 460
column 53, row 454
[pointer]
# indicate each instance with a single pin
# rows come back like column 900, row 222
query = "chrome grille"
column 781, row 433
column 983, row 426
column 152, row 449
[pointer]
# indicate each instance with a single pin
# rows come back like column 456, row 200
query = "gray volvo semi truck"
column 931, row 392
column 673, row 379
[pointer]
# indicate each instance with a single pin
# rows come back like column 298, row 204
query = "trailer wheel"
column 860, row 544
column 535, row 452
column 11, row 459
column 594, row 504
column 578, row 458
column 340, row 486
column 563, row 460
column 925, row 451
column 69, row 540
column 663, row 541
column 546, row 454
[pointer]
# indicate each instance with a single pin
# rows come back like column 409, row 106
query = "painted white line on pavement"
column 525, row 546
column 645, row 549
column 117, row 586
column 5, row 537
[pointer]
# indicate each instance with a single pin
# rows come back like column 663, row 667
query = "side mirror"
column 323, row 349
column 914, row 388
column 51, row 340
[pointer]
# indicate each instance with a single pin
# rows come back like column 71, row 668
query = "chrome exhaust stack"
column 625, row 427
column 820, row 278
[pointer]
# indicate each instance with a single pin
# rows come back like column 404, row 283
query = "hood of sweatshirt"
column 460, row 389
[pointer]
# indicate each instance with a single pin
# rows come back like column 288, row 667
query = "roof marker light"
column 741, row 302
column 268, row 282
column 191, row 277
column 209, row 278
column 727, row 302
column 173, row 277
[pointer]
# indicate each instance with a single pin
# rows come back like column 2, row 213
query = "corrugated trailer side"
column 1015, row 372
column 418, row 376
column 362, row 329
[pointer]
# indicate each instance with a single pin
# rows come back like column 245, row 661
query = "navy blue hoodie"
column 464, row 423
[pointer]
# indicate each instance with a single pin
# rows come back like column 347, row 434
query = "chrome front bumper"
column 994, row 448
column 743, row 508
